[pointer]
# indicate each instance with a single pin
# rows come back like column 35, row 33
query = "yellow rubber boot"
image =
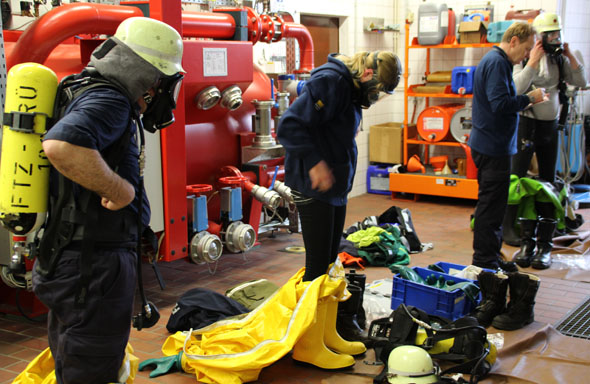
column 332, row 338
column 310, row 348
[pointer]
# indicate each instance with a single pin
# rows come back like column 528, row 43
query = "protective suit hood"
column 117, row 63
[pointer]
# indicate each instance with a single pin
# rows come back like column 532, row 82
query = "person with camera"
column 551, row 66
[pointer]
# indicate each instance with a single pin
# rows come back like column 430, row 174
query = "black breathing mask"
column 552, row 43
column 372, row 91
column 369, row 92
column 159, row 114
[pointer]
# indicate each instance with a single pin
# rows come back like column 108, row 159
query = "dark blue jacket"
column 96, row 120
column 321, row 125
column 495, row 106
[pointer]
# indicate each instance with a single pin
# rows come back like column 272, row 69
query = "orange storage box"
column 434, row 122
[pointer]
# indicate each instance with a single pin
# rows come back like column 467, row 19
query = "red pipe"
column 68, row 20
column 305, row 41
column 215, row 25
column 214, row 228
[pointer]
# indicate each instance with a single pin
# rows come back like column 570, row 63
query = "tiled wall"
column 354, row 39
column 576, row 31
column 575, row 13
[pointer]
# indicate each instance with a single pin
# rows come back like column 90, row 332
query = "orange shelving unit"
column 431, row 184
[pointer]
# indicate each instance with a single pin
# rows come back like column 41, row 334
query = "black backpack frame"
column 469, row 348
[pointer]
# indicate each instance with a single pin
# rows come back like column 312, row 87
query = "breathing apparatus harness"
column 86, row 222
column 556, row 56
column 470, row 348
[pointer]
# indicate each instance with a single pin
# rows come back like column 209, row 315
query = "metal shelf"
column 428, row 184
column 443, row 143
column 439, row 185
column 450, row 42
column 448, row 94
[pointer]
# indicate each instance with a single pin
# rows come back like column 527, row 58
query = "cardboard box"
column 386, row 142
column 473, row 32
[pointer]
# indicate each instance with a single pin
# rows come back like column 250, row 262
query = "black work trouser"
column 88, row 343
column 322, row 225
column 536, row 136
column 493, row 176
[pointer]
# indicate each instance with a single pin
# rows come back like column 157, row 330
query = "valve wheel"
column 198, row 189
column 232, row 181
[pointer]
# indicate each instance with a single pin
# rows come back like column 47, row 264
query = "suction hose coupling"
column 231, row 98
column 208, row 98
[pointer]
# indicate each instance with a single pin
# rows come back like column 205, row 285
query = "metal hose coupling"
column 231, row 98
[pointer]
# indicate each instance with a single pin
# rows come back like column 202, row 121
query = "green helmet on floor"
column 409, row 364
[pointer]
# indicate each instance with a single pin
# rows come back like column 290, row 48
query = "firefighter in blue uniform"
column 86, row 269
column 318, row 132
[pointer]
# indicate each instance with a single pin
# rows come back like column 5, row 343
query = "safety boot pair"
column 322, row 346
column 520, row 309
column 543, row 242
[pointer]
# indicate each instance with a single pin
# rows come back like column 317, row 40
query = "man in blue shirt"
column 493, row 138
column 87, row 276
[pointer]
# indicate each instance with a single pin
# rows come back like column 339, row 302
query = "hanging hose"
column 568, row 144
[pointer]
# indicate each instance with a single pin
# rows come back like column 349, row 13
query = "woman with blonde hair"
column 318, row 133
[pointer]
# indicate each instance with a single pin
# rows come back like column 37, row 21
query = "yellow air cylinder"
column 24, row 169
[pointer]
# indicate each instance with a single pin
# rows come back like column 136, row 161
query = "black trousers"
column 322, row 225
column 493, row 176
column 536, row 136
column 88, row 343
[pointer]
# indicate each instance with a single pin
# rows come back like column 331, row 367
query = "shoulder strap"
column 65, row 214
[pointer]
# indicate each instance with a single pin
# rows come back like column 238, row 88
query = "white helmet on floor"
column 547, row 22
column 409, row 364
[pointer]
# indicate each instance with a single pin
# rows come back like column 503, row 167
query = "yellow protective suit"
column 235, row 351
column 42, row 369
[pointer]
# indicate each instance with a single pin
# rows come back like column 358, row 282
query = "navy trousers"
column 322, row 225
column 536, row 136
column 88, row 343
column 493, row 177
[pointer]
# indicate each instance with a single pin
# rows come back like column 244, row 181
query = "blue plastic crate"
column 434, row 301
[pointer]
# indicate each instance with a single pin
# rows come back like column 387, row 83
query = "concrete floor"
column 441, row 221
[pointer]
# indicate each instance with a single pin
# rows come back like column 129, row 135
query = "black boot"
column 528, row 228
column 507, row 266
column 519, row 312
column 493, row 290
column 360, row 280
column 542, row 258
column 346, row 322
column 499, row 265
column 509, row 235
